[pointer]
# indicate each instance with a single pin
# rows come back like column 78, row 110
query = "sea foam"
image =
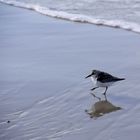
column 131, row 26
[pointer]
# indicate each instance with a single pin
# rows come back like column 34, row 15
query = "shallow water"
column 43, row 92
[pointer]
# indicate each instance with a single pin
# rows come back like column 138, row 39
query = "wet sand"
column 43, row 93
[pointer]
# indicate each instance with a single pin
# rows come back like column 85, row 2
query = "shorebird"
column 103, row 79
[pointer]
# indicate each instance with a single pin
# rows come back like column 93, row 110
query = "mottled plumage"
column 103, row 79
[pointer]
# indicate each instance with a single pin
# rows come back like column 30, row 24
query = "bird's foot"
column 93, row 89
column 105, row 96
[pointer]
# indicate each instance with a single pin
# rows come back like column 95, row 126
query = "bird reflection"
column 101, row 107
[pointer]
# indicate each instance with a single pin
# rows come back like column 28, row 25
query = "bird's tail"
column 120, row 79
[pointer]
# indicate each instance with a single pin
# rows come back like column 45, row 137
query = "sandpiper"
column 103, row 79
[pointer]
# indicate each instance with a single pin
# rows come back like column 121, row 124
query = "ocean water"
column 115, row 13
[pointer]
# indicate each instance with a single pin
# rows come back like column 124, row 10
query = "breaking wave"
column 75, row 17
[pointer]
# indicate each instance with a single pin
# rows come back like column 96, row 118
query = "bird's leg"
column 105, row 93
column 105, row 90
column 95, row 96
column 94, row 88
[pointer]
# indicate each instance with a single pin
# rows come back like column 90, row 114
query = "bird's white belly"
column 100, row 84
column 93, row 80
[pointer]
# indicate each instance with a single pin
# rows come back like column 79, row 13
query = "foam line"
column 75, row 17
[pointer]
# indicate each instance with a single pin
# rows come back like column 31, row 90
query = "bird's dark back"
column 105, row 77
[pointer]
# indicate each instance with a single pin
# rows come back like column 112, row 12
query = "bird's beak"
column 88, row 76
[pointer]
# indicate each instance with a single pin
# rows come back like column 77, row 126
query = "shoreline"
column 128, row 26
column 43, row 65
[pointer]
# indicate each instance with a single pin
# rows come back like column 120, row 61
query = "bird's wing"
column 105, row 77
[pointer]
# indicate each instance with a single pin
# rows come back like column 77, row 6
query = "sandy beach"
column 43, row 91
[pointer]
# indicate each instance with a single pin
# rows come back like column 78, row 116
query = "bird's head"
column 94, row 73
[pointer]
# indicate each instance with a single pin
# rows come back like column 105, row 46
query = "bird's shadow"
column 101, row 108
